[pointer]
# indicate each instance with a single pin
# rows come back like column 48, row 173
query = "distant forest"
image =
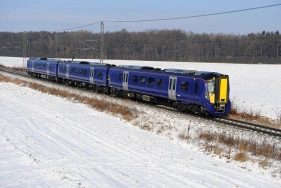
column 150, row 45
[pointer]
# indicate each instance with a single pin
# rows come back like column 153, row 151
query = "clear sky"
column 54, row 15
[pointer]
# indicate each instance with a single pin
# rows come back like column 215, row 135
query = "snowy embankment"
column 48, row 141
column 52, row 142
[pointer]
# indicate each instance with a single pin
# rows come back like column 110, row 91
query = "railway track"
column 251, row 126
column 11, row 71
column 228, row 121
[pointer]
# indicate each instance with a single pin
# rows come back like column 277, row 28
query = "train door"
column 92, row 74
column 222, row 90
column 172, row 87
column 196, row 91
column 125, row 80
column 48, row 68
column 32, row 68
column 67, row 72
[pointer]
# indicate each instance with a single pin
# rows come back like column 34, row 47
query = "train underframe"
column 192, row 108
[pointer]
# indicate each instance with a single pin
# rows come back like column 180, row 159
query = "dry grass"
column 264, row 163
column 265, row 149
column 226, row 140
column 125, row 112
column 18, row 69
column 243, row 146
column 4, row 78
column 242, row 157
column 184, row 137
column 252, row 117
column 146, row 127
column 209, row 137
column 218, row 151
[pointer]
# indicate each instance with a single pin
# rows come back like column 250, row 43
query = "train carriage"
column 92, row 74
column 137, row 82
column 196, row 91
column 42, row 66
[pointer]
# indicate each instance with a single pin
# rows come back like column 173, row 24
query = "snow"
column 48, row 141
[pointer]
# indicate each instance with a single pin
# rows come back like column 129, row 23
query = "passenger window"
column 150, row 80
column 85, row 71
column 142, row 79
column 159, row 82
column 120, row 76
column 184, row 85
column 135, row 78
column 72, row 70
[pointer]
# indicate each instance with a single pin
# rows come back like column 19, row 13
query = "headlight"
column 206, row 95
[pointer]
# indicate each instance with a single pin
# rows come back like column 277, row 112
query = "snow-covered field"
column 47, row 141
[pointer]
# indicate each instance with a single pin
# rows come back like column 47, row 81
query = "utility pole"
column 23, row 50
column 101, row 41
column 277, row 50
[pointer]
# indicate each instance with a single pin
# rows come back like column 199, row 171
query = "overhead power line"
column 77, row 27
column 197, row 16
column 175, row 18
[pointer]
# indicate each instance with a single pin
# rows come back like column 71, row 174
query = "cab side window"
column 120, row 76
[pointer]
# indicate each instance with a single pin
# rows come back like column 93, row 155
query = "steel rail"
column 251, row 126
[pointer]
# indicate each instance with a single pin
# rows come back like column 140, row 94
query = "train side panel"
column 149, row 83
column 42, row 66
column 185, row 89
column 116, row 78
column 77, row 72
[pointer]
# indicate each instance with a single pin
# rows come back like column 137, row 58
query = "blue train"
column 199, row 92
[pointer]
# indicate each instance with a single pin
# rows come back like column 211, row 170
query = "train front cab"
column 218, row 95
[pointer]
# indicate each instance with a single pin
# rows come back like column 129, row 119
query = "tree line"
column 150, row 45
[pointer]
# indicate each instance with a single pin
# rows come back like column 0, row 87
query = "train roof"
column 43, row 58
column 72, row 62
column 138, row 67
column 182, row 71
column 170, row 71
